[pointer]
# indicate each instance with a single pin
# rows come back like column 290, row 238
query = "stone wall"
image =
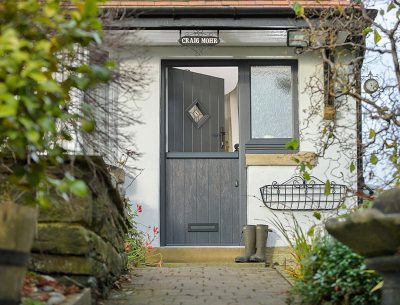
column 84, row 237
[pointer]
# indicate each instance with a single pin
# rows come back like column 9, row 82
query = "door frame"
column 244, row 122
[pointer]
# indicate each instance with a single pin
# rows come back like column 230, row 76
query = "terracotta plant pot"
column 17, row 230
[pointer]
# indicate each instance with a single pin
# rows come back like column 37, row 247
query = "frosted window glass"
column 271, row 102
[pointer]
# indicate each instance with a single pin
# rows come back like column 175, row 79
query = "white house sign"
column 199, row 40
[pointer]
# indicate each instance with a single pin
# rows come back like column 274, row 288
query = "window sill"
column 280, row 159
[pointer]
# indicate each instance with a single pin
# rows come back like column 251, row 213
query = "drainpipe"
column 360, row 150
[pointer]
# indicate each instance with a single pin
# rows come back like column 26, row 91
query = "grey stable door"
column 202, row 179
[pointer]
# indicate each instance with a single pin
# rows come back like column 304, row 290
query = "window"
column 271, row 102
column 273, row 106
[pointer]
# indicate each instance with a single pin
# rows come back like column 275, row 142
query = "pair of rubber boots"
column 255, row 240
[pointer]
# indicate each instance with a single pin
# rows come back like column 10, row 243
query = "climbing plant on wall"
column 358, row 43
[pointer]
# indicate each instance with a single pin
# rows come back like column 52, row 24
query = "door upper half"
column 202, row 109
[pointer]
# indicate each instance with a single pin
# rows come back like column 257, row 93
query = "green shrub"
column 334, row 274
column 40, row 41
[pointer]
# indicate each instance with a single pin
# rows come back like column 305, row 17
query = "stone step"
column 214, row 264
column 275, row 255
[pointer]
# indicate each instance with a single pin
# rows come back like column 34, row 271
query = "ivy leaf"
column 91, row 7
column 306, row 176
column 79, row 188
column 50, row 86
column 371, row 134
column 63, row 186
column 37, row 76
column 390, row 6
column 88, row 125
column 293, row 144
column 374, row 159
column 311, row 231
column 366, row 31
column 47, row 124
column 33, row 136
column 9, row 106
column 377, row 37
column 42, row 199
column 96, row 37
column 101, row 73
column 82, row 83
column 317, row 215
column 352, row 167
column 393, row 159
column 298, row 9
column 50, row 10
column 327, row 188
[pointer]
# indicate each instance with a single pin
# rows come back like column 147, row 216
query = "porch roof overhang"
column 236, row 15
column 213, row 18
column 205, row 23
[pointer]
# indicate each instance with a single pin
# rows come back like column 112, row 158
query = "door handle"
column 237, row 183
column 222, row 134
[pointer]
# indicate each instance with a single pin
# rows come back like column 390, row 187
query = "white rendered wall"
column 334, row 167
column 145, row 189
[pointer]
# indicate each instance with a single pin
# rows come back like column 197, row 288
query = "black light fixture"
column 297, row 39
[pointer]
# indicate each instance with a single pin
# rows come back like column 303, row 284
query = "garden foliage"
column 301, row 242
column 333, row 274
column 138, row 243
column 39, row 41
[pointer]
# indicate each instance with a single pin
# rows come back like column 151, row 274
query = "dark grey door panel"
column 201, row 179
column 202, row 192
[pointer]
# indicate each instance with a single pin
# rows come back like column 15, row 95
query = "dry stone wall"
column 84, row 237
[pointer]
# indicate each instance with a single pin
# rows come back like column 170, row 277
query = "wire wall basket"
column 299, row 194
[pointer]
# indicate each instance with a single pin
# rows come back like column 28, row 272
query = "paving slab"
column 186, row 284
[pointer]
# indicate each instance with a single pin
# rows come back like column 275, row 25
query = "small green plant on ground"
column 138, row 243
column 300, row 242
column 30, row 301
column 333, row 274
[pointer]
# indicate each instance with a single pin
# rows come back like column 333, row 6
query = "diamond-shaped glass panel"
column 197, row 113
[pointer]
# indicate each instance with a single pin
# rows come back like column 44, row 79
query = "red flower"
column 139, row 208
column 155, row 230
column 149, row 247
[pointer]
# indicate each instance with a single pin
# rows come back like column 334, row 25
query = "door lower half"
column 202, row 159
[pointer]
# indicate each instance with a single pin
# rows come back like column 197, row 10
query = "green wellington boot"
column 261, row 242
column 249, row 237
